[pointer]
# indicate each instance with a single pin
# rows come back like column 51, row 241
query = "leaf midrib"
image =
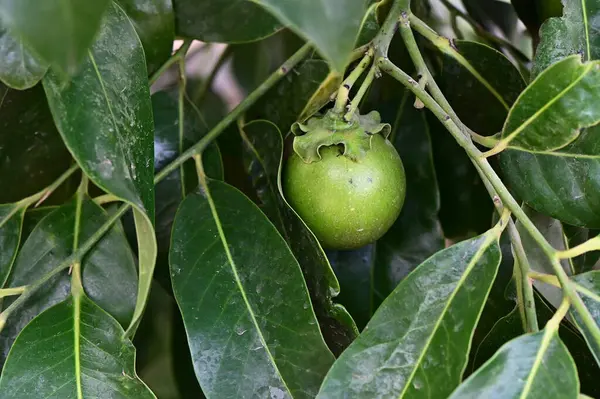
column 490, row 237
column 238, row 282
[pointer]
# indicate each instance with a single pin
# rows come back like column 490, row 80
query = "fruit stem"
column 360, row 94
column 344, row 91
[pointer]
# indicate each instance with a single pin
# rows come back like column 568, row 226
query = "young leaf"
column 19, row 69
column 417, row 342
column 332, row 25
column 104, row 115
column 574, row 33
column 246, row 309
column 59, row 32
column 154, row 23
column 109, row 270
column 72, row 350
column 590, row 294
column 530, row 366
column 32, row 154
column 237, row 21
column 11, row 224
column 264, row 150
column 554, row 108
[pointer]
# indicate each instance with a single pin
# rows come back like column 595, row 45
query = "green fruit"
column 347, row 203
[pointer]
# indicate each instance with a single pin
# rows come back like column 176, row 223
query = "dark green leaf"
column 575, row 236
column 564, row 184
column 332, row 25
column 481, row 90
column 263, row 155
column 532, row 366
column 32, row 153
column 72, row 350
column 589, row 287
column 370, row 26
column 287, row 102
column 11, row 224
column 109, row 271
column 19, row 69
column 575, row 33
column 554, row 108
column 256, row 318
column 154, row 23
column 491, row 13
column 416, row 344
column 104, row 115
column 59, row 32
column 237, row 21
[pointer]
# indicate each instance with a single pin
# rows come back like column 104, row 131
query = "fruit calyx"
column 331, row 129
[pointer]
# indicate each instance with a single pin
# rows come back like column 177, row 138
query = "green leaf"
column 72, row 350
column 32, row 154
column 492, row 14
column 104, row 115
column 534, row 12
column 109, row 270
column 256, row 318
column 417, row 343
column 11, row 225
column 332, row 25
column 564, row 184
column 57, row 31
column 288, row 102
column 237, row 21
column 482, row 88
column 263, row 160
column 574, row 33
column 19, row 69
column 531, row 366
column 554, row 108
column 589, row 287
column 575, row 236
column 154, row 23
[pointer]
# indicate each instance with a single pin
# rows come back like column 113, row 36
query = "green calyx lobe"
column 331, row 129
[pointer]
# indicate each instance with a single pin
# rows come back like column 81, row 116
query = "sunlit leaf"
column 59, row 32
column 11, row 223
column 417, row 343
column 247, row 312
column 532, row 366
column 590, row 294
column 104, row 115
column 72, row 350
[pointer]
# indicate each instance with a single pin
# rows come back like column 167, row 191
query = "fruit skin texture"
column 347, row 204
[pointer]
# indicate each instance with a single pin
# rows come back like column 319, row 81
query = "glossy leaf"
column 72, row 350
column 332, row 25
column 109, row 270
column 553, row 109
column 532, row 366
column 32, row 153
column 236, row 21
column 65, row 41
column 416, row 344
column 245, row 343
column 263, row 156
column 19, row 69
column 287, row 102
column 105, row 117
column 590, row 294
column 11, row 224
column 575, row 33
column 483, row 88
column 154, row 23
